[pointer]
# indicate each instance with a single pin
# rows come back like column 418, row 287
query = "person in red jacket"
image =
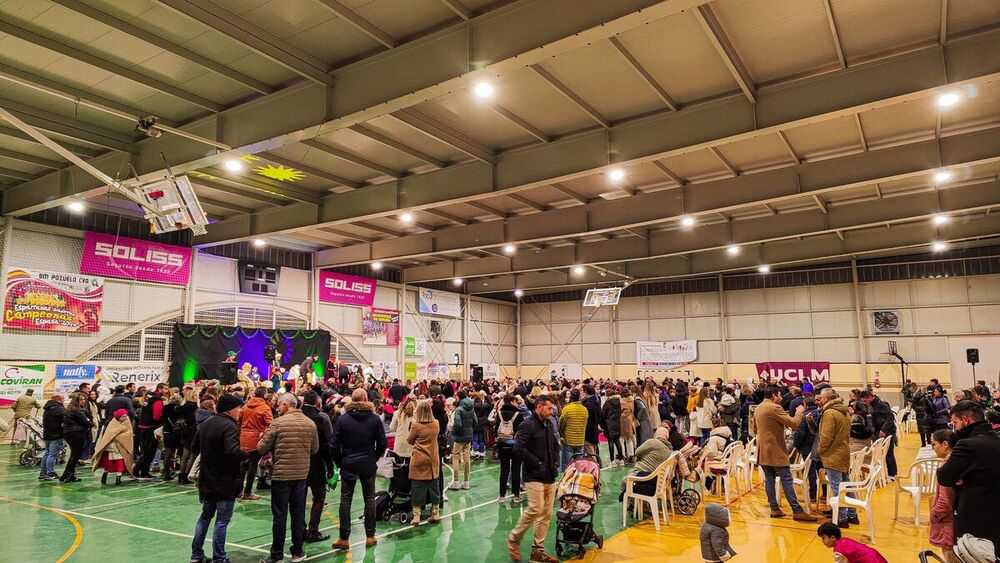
column 254, row 419
column 846, row 550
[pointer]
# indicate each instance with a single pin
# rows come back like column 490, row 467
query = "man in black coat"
column 883, row 423
column 358, row 443
column 973, row 471
column 592, row 435
column 219, row 483
column 53, row 414
column 537, row 446
column 118, row 401
column 321, row 466
column 397, row 391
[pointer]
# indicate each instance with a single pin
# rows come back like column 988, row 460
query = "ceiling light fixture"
column 948, row 99
column 76, row 206
column 483, row 89
column 687, row 222
column 939, row 246
column 234, row 165
column 579, row 270
column 942, row 176
column 509, row 249
column 259, row 242
column 406, row 217
column 940, row 219
column 518, row 292
column 617, row 174
column 764, row 269
column 457, row 281
column 376, row 266
column 733, row 250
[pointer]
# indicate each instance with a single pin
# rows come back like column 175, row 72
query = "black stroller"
column 579, row 491
column 395, row 502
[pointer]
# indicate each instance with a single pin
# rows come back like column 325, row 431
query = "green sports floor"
column 51, row 521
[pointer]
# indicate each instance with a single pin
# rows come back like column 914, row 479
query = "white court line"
column 132, row 501
column 137, row 487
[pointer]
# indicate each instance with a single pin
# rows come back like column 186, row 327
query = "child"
column 942, row 532
column 846, row 550
column 714, row 535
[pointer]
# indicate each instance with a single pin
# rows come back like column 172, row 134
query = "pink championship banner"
column 52, row 301
column 794, row 373
column 134, row 259
column 335, row 287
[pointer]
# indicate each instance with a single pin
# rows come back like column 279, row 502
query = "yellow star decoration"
column 250, row 158
column 281, row 173
column 201, row 174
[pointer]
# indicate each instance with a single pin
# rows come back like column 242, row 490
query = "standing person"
column 462, row 430
column 884, row 423
column 509, row 419
column 291, row 439
column 678, row 404
column 53, row 414
column 572, row 428
column 923, row 410
column 117, row 401
column 592, row 435
column 611, row 423
column 643, row 421
column 113, row 452
column 772, row 455
column 23, row 408
column 402, row 420
column 834, row 446
column 482, row 408
column 76, row 425
column 628, row 425
column 425, row 462
column 357, row 445
column 218, row 443
column 441, row 416
column 941, row 408
column 973, row 472
column 255, row 418
column 150, row 418
column 704, row 414
column 321, row 465
column 943, row 505
column 538, row 449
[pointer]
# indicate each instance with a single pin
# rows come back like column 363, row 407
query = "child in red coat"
column 846, row 550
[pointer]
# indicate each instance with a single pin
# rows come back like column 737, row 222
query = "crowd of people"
column 298, row 441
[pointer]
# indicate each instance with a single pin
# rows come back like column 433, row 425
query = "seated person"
column 648, row 456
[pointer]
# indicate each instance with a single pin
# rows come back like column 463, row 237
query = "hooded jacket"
column 358, row 440
column 718, row 439
column 611, row 417
column 320, row 463
column 835, row 436
column 679, row 402
column 254, row 419
column 465, row 421
column 714, row 535
column 53, row 414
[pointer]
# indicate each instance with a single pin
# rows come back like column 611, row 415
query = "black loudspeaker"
column 477, row 374
column 972, row 355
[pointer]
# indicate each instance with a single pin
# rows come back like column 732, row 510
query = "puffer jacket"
column 76, row 421
column 718, row 439
column 292, row 440
column 611, row 417
column 464, row 421
column 358, row 440
column 254, row 420
column 714, row 535
column 679, row 403
column 573, row 424
column 53, row 414
column 834, row 436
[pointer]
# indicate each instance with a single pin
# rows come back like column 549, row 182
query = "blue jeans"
column 288, row 497
column 770, row 473
column 705, row 433
column 478, row 442
column 836, row 478
column 567, row 453
column 223, row 512
column 52, row 450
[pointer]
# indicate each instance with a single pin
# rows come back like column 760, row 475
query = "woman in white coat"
column 705, row 412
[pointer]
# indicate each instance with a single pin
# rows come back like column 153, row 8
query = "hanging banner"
column 434, row 302
column 411, row 371
column 51, row 301
column 148, row 376
column 69, row 377
column 413, row 346
column 14, row 381
column 135, row 259
column 491, row 371
column 387, row 370
column 565, row 371
column 335, row 287
column 438, row 370
column 665, row 355
column 794, row 373
column 380, row 327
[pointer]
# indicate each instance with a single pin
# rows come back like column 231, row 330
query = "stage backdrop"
column 199, row 350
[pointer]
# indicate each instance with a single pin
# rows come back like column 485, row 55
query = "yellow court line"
column 76, row 525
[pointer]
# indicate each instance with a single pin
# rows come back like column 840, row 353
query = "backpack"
column 506, row 429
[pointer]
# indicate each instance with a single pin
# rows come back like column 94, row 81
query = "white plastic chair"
column 857, row 463
column 748, row 462
column 659, row 474
column 923, row 478
column 800, row 477
column 878, row 450
column 866, row 490
column 729, row 464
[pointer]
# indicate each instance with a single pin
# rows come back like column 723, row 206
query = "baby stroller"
column 34, row 444
column 395, row 502
column 686, row 499
column 579, row 491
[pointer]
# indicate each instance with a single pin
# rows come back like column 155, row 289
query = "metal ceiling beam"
column 761, row 189
column 93, row 60
column 861, row 132
column 253, row 37
column 363, row 25
column 644, row 74
column 352, row 158
column 32, row 159
column 445, row 215
column 168, row 46
column 820, row 204
column 571, row 95
column 717, row 36
column 943, row 35
column 669, row 173
column 284, row 189
column 378, row 229
column 525, row 201
column 836, row 35
column 328, row 176
column 519, row 121
column 788, row 146
column 18, row 134
column 344, row 234
column 486, row 208
column 392, row 143
column 16, row 174
column 447, row 135
column 225, row 205
column 579, row 198
column 915, row 236
column 242, row 191
column 460, row 9
column 68, row 127
column 725, row 162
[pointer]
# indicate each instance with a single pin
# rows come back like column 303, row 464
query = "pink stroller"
column 579, row 491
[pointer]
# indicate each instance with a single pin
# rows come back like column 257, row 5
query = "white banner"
column 665, row 355
column 565, row 371
column 14, row 381
column 390, row 369
column 491, row 371
column 143, row 376
column 434, row 302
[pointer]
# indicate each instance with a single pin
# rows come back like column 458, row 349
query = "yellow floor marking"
column 76, row 525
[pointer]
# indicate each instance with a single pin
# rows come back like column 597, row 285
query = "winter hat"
column 662, row 433
column 119, row 412
column 228, row 402
column 971, row 549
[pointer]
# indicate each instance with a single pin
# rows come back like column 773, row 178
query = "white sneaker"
column 501, row 499
column 454, row 486
column 465, row 485
column 517, row 498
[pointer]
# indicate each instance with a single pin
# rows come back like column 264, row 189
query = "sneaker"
column 465, row 486
column 313, row 536
column 517, row 498
column 46, row 477
column 250, row 496
column 854, row 520
column 501, row 499
column 539, row 556
column 298, row 558
column 454, row 486
column 269, row 559
column 201, row 559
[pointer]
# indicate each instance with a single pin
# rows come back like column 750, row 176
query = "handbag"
column 383, row 467
column 195, row 471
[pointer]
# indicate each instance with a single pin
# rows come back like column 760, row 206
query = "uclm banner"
column 134, row 259
column 335, row 287
column 794, row 373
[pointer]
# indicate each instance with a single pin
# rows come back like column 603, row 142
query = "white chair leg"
column 625, row 511
column 835, row 507
column 916, row 509
column 871, row 522
column 895, row 511
column 656, row 515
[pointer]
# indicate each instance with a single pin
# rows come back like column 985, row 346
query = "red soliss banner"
column 794, row 373
column 51, row 301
